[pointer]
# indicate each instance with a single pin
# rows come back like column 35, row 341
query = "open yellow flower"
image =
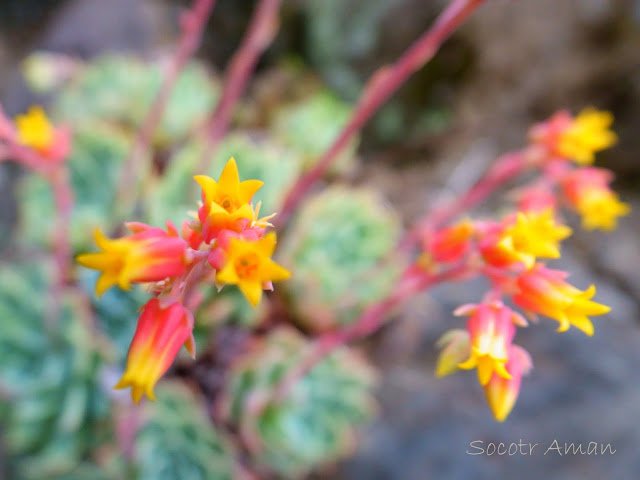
column 35, row 130
column 587, row 134
column 226, row 202
column 588, row 192
column 249, row 266
column 600, row 209
column 534, row 235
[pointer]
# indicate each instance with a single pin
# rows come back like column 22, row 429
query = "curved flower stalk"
column 34, row 142
column 227, row 245
column 510, row 252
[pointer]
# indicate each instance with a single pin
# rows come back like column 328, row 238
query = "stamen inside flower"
column 247, row 266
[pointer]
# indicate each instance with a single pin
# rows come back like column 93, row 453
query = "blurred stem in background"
column 384, row 83
column 260, row 34
column 138, row 163
column 57, row 175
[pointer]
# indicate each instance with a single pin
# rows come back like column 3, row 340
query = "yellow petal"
column 267, row 244
column 248, row 188
column 228, row 274
column 105, row 282
column 209, row 186
column 274, row 272
column 229, row 176
column 252, row 291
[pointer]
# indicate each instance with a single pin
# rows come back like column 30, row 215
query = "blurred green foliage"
column 179, row 442
column 99, row 150
column 53, row 407
column 341, row 248
column 315, row 423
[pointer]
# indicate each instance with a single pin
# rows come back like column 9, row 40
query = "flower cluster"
column 512, row 252
column 227, row 244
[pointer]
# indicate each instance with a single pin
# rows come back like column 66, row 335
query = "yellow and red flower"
column 491, row 330
column 576, row 138
column 531, row 235
column 226, row 202
column 450, row 244
column 248, row 264
column 587, row 191
column 159, row 335
column 544, row 291
column 148, row 255
column 502, row 392
column 34, row 130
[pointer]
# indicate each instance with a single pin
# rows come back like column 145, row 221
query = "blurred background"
column 514, row 63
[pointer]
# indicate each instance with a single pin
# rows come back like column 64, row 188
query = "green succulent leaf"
column 316, row 423
column 54, row 410
column 341, row 248
column 121, row 89
column 311, row 126
column 94, row 165
column 178, row 441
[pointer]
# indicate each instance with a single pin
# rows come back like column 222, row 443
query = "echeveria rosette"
column 316, row 423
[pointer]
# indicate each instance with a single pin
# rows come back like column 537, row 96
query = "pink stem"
column 504, row 169
column 370, row 321
column 380, row 87
column 260, row 33
column 193, row 22
column 63, row 196
column 58, row 177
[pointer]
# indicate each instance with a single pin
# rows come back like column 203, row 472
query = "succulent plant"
column 316, row 422
column 310, row 127
column 94, row 165
column 53, row 408
column 340, row 248
column 178, row 441
column 120, row 90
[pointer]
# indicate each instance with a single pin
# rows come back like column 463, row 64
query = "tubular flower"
column 226, row 202
column 149, row 255
column 491, row 329
column 578, row 138
column 451, row 243
column 532, row 235
column 544, row 291
column 159, row 335
column 501, row 393
column 249, row 266
column 455, row 349
column 35, row 131
column 587, row 191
